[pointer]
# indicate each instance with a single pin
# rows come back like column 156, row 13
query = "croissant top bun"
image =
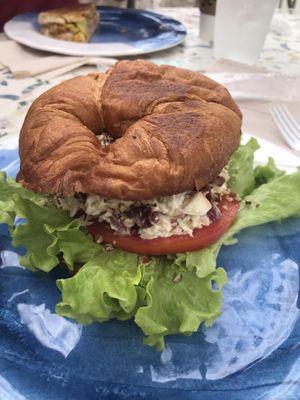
column 174, row 130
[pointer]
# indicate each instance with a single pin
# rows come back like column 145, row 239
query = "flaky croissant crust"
column 175, row 130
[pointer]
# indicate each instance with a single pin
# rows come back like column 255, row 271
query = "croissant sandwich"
column 138, row 153
column 131, row 181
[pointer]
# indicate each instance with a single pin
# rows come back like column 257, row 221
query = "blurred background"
column 13, row 7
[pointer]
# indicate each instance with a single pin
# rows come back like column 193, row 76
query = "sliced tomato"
column 201, row 238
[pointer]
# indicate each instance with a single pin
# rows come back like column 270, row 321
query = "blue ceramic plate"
column 121, row 32
column 251, row 352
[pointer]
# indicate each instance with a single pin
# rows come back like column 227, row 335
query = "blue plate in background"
column 121, row 32
column 252, row 351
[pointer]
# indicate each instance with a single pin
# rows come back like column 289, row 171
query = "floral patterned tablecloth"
column 281, row 53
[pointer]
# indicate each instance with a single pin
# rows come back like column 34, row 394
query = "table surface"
column 281, row 50
column 281, row 54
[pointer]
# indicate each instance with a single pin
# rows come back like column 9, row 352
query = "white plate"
column 121, row 32
column 283, row 158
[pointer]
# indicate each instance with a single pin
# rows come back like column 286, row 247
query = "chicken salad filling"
column 166, row 216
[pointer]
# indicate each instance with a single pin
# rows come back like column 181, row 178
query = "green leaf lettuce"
column 240, row 168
